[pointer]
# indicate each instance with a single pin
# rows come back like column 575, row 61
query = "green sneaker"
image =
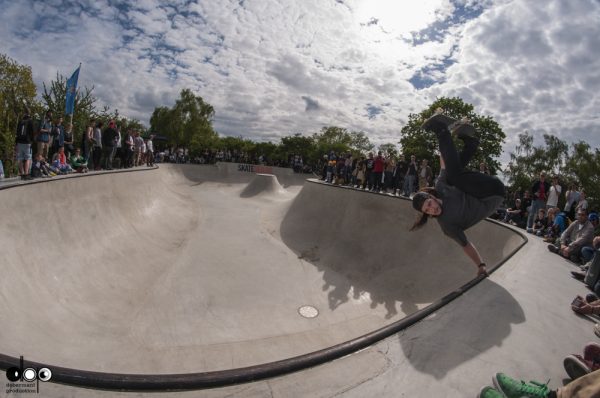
column 512, row 388
column 489, row 392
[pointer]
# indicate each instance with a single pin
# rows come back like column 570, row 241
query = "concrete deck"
column 197, row 269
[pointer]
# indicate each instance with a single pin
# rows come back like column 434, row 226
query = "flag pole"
column 71, row 115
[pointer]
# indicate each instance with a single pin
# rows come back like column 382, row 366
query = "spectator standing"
column 349, row 163
column 24, row 139
column 582, row 204
column 540, row 191
column 571, row 199
column 43, row 138
column 109, row 141
column 411, row 175
column 69, row 148
column 399, row 174
column 554, row 193
column 138, row 142
column 88, row 140
column 129, row 149
column 378, row 167
column 388, row 178
column 97, row 145
column 58, row 136
column 143, row 158
column 119, row 152
column 425, row 175
column 150, row 152
column 369, row 164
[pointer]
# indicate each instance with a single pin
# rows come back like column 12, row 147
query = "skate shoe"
column 463, row 128
column 591, row 352
column 576, row 366
column 489, row 392
column 512, row 388
column 437, row 119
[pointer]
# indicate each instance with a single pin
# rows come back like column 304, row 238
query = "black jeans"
column 96, row 157
column 472, row 183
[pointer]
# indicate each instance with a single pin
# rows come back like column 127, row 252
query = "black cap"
column 418, row 200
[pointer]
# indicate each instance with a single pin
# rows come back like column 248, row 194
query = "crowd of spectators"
column 52, row 149
column 571, row 232
column 394, row 175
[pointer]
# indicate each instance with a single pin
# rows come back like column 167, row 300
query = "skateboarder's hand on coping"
column 481, row 270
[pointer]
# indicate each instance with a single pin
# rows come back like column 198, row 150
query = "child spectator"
column 40, row 168
column 540, row 222
column 558, row 226
column 78, row 162
column 59, row 161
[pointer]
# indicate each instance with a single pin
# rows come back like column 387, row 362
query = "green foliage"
column 416, row 141
column 579, row 166
column 298, row 145
column 359, row 143
column 188, row 122
column 583, row 166
column 388, row 150
column 54, row 97
column 17, row 91
column 340, row 140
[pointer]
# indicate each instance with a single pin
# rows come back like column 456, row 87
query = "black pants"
column 96, row 156
column 377, row 180
column 472, row 183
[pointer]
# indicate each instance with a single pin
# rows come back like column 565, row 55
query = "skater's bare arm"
column 473, row 254
column 442, row 164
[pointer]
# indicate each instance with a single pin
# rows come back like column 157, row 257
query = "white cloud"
column 274, row 67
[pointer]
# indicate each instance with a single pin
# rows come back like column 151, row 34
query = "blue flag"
column 71, row 92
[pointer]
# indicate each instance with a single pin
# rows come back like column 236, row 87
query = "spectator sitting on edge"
column 579, row 234
column 78, row 162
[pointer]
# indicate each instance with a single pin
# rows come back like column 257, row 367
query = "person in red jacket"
column 378, row 167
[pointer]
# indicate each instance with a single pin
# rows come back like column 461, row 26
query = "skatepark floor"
column 192, row 268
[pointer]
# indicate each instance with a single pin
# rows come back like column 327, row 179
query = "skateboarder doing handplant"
column 460, row 198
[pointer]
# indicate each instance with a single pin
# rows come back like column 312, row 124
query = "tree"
column 17, row 91
column 580, row 166
column 583, row 168
column 360, row 143
column 298, row 145
column 188, row 122
column 54, row 97
column 332, row 139
column 416, row 141
column 388, row 150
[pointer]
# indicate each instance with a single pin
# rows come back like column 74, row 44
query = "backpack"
column 22, row 131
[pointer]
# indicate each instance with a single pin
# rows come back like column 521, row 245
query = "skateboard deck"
column 439, row 117
column 463, row 129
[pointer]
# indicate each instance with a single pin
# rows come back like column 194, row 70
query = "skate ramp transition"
column 172, row 278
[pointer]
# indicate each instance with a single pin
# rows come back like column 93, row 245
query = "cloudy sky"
column 275, row 67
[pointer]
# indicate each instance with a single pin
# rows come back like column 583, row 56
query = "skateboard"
column 460, row 128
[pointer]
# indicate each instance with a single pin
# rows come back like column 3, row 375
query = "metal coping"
column 74, row 175
column 229, row 377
